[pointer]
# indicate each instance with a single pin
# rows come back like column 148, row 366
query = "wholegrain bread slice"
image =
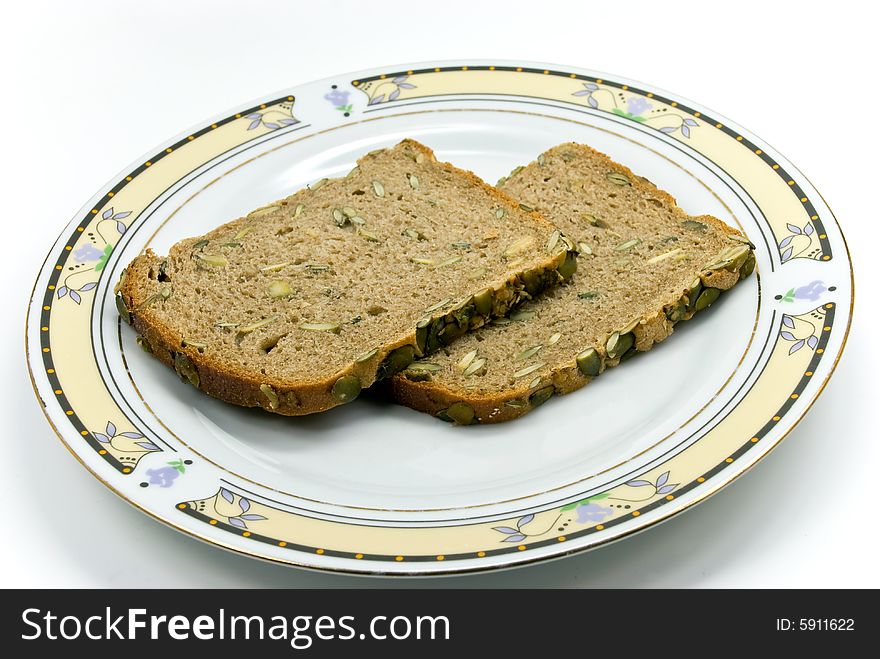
column 301, row 304
column 644, row 266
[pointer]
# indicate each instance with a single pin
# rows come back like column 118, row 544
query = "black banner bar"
column 401, row 622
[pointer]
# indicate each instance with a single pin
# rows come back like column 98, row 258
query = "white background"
column 89, row 86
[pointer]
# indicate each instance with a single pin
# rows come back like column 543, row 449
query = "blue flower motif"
column 163, row 477
column 811, row 291
column 592, row 512
column 87, row 252
column 636, row 105
column 337, row 97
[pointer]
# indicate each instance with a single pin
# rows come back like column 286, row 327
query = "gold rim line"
column 511, row 563
column 657, row 443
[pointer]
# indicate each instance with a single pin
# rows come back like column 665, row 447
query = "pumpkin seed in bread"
column 644, row 266
column 301, row 304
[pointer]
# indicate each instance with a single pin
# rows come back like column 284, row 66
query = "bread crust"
column 436, row 399
column 295, row 398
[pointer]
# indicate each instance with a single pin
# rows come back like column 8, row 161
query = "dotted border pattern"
column 49, row 295
column 189, row 507
column 776, row 167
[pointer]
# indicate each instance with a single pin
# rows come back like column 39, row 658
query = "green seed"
column 270, row 395
column 528, row 370
column 450, row 261
column 693, row 225
column 186, row 369
column 663, row 257
column 588, row 295
column 213, row 260
column 475, row 367
column 465, row 361
column 589, row 362
column 313, row 267
column 318, row 184
column 632, row 352
column 626, row 245
column 122, row 277
column 443, row 416
column 122, row 309
column 584, row 248
column 738, row 256
column 422, row 328
column 748, row 267
column 742, row 239
column 499, row 213
column 554, row 338
column 553, row 241
column 541, row 396
column 225, row 325
column 617, row 178
column 193, row 344
column 257, row 325
column 534, row 383
column 533, row 280
column 357, row 220
column 433, row 341
column 346, row 388
column 483, row 302
column 378, row 189
column 676, row 311
column 527, row 208
column 693, row 292
column 541, row 160
column 413, row 181
column 274, row 267
column 461, row 245
column 298, row 210
column 241, row 234
column 518, row 247
column 428, row 367
column 422, row 261
column 515, row 404
column 338, row 217
column 522, row 315
column 368, row 235
column 144, row 345
column 163, row 295
column 707, row 297
column 461, row 413
column 354, row 172
column 439, row 305
column 366, row 356
column 336, row 328
column 279, row 288
column 618, row 344
column 594, row 221
column 568, row 267
column 260, row 212
column 396, row 361
column 629, row 327
column 528, row 353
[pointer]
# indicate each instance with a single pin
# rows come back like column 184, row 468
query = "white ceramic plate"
column 375, row 488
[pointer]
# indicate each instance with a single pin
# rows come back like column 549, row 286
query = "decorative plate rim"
column 505, row 561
